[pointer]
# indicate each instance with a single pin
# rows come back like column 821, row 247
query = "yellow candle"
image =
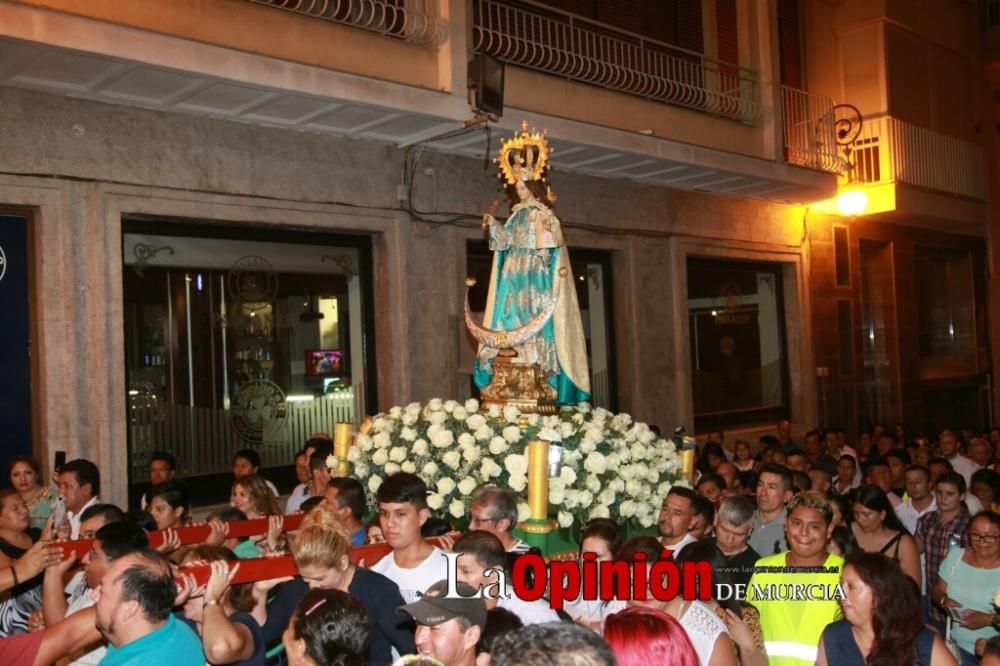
column 538, row 479
column 687, row 464
column 342, row 438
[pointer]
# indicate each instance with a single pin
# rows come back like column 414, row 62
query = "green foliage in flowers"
column 612, row 467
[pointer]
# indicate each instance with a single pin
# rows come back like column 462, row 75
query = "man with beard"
column 133, row 602
column 677, row 518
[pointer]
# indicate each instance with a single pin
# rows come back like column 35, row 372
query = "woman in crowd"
column 984, row 485
column 969, row 578
column 644, row 636
column 328, row 628
column 602, row 537
column 742, row 456
column 221, row 612
column 321, row 549
column 881, row 622
column 712, row 455
column 26, row 478
column 707, row 633
column 252, row 496
column 741, row 620
column 877, row 529
column 16, row 539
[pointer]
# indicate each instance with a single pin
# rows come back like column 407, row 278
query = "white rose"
column 517, row 482
column 632, row 487
column 489, row 469
column 409, row 467
column 516, row 464
column 437, row 418
column 484, row 433
column 565, row 519
column 607, row 496
column 365, row 442
column 511, row 413
column 523, row 512
column 419, row 447
column 382, row 440
column 494, row 411
column 572, row 458
column 396, row 412
column 566, row 429
column 593, row 435
column 585, row 499
column 549, row 435
column 450, row 405
column 459, row 414
column 332, row 461
column 593, row 483
column 617, row 485
column 475, row 421
column 533, row 420
column 442, row 438
column 466, row 440
column 409, row 419
column 613, row 461
column 361, row 471
column 430, row 470
column 625, row 419
column 434, row 501
column 472, row 454
column 587, row 446
column 408, row 433
column 627, row 509
column 498, row 445
column 567, row 475
column 434, row 405
column 472, row 405
column 445, row 485
column 595, row 463
column 353, row 454
column 512, row 434
column 456, row 509
column 452, row 459
column 374, row 482
column 397, row 454
column 600, row 512
column 571, row 499
column 380, row 457
column 466, row 486
column 557, row 495
column 391, row 468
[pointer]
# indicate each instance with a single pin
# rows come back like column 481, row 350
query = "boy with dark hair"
column 479, row 551
column 414, row 565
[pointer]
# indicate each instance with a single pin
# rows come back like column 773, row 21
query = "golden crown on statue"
column 524, row 157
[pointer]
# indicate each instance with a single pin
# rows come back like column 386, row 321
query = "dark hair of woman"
column 710, row 449
column 873, row 497
column 606, row 530
column 843, row 538
column 895, row 609
column 499, row 622
column 334, row 626
column 845, row 505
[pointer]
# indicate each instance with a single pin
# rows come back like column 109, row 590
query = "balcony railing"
column 563, row 44
column 888, row 149
column 412, row 20
column 809, row 131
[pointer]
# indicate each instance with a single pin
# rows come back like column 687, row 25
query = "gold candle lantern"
column 342, row 437
column 687, row 463
column 538, row 479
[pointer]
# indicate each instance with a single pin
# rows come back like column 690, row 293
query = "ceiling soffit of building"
column 580, row 148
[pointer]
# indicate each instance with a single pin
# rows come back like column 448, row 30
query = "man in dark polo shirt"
column 733, row 526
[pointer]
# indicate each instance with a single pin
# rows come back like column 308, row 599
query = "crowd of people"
column 884, row 550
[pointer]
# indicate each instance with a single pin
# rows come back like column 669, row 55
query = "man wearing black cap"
column 448, row 627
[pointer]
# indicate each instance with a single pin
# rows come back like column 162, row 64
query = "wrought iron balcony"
column 412, row 20
column 555, row 42
column 809, row 131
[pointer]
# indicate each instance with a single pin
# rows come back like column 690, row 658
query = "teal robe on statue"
column 528, row 255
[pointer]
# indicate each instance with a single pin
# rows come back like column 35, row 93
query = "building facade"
column 236, row 222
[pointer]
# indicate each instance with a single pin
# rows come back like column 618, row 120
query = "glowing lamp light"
column 851, row 203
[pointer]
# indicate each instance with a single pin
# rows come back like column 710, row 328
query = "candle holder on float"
column 343, row 437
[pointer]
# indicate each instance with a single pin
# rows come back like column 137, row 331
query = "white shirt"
column 299, row 495
column 74, row 518
column 530, row 612
column 79, row 598
column 676, row 548
column 965, row 467
column 415, row 581
column 703, row 627
column 909, row 514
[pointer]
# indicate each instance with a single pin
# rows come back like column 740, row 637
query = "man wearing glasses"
column 494, row 510
column 112, row 541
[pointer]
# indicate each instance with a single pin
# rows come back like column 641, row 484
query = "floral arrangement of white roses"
column 612, row 467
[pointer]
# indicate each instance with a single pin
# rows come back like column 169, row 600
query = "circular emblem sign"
column 257, row 405
column 3, row 263
column 253, row 282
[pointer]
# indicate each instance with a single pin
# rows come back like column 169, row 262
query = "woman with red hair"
column 643, row 636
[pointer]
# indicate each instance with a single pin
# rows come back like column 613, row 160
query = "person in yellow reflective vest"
column 797, row 592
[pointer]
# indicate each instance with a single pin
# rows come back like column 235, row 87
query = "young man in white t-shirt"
column 413, row 565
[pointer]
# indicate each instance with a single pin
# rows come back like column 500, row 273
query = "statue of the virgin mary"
column 532, row 305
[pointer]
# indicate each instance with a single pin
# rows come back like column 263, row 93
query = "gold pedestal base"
column 538, row 526
column 522, row 385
